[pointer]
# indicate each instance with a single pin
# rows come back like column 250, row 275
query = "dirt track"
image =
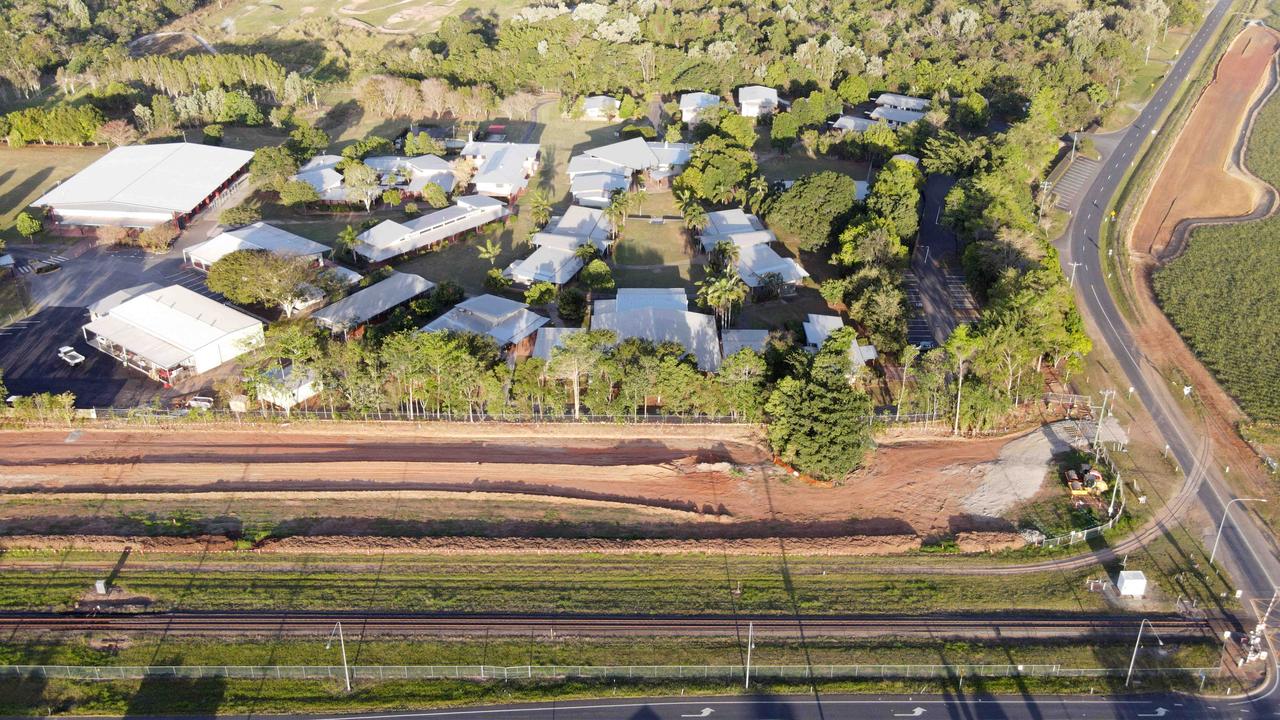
column 909, row 487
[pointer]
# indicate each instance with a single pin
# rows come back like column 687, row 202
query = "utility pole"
column 1226, row 511
column 1147, row 59
column 1102, row 415
column 342, row 643
column 1136, row 645
column 751, row 634
column 1074, row 136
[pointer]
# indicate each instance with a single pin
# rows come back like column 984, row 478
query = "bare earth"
column 1200, row 180
column 719, row 472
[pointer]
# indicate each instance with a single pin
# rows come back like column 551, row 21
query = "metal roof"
column 506, row 321
column 694, row 332
column 755, row 262
column 734, row 340
column 550, row 338
column 819, row 327
column 896, row 115
column 258, row 236
column 372, row 301
column 172, row 177
column 902, row 102
column 551, row 264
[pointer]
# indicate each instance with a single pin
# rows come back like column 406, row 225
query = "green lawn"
column 27, row 173
column 1136, row 88
column 797, row 164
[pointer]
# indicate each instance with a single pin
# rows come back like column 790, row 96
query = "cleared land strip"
column 1033, row 625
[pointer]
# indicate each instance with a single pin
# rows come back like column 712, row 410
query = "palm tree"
column 724, row 256
column 586, row 252
column 490, row 250
column 616, row 211
column 346, row 242
column 721, row 293
column 757, row 193
column 540, row 206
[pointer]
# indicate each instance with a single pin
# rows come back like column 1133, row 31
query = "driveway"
column 936, row 249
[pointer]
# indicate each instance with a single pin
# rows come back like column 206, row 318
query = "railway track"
column 257, row 623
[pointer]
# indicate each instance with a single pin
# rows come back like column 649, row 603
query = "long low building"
column 502, row 169
column 258, row 236
column 146, row 185
column 556, row 260
column 368, row 303
column 597, row 173
column 389, row 238
column 506, row 321
column 660, row 315
column 170, row 332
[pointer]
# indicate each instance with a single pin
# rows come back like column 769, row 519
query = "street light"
column 342, row 643
column 751, row 634
column 1138, row 644
column 1223, row 522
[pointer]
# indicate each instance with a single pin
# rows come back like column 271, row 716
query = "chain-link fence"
column 556, row 672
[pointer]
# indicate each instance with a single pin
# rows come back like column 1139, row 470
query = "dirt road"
column 908, row 487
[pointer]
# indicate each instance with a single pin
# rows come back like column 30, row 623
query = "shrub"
column 540, row 293
column 495, row 281
column 245, row 213
column 26, row 225
column 571, row 303
column 213, row 134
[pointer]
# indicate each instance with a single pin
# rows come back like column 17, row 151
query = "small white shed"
column 1131, row 583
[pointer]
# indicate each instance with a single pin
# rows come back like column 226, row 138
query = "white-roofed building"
column 660, row 315
column 595, row 174
column 895, row 117
column 597, row 189
column 817, row 328
column 757, row 100
column 368, row 303
column 550, row 338
column 760, row 266
column 902, row 102
column 579, row 221
column 733, row 341
column 258, row 236
column 506, row 321
column 146, row 185
column 906, row 158
column 170, row 332
column 861, row 189
column 862, row 354
column 502, row 169
column 694, row 106
column 411, row 174
column 851, row 123
column 600, row 107
column 391, row 238
column 555, row 259
column 549, row 263
column 287, row 388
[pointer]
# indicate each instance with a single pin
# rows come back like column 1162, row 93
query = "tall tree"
column 578, row 357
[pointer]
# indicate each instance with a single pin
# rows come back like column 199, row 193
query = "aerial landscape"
column 639, row 359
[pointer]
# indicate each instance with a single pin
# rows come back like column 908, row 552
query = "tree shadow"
column 195, row 697
column 340, row 118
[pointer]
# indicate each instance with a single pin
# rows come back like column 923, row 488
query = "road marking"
column 915, row 712
column 705, row 712
column 1160, row 712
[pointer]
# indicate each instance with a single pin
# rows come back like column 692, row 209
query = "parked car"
column 200, row 402
column 926, row 345
column 68, row 355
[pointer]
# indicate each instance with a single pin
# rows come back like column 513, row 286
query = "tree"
column 571, row 305
column 908, row 356
column 298, row 192
column 540, row 294
column 118, row 132
column 895, row 196
column 422, row 143
column 539, row 206
column 577, row 357
column 272, row 167
column 433, row 195
column 490, row 250
column 246, row 213
column 814, row 207
column 27, row 225
column 722, row 293
column 306, row 141
column 391, row 196
column 854, row 90
column 345, row 242
column 596, row 275
column 741, row 378
column 158, row 238
column 362, row 182
column 961, row 346
column 495, row 281
column 261, row 277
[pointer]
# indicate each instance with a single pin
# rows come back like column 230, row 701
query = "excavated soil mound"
column 107, row 543
column 846, row 545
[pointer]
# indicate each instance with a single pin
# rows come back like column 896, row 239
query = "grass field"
column 1139, row 86
column 27, row 173
column 1221, row 292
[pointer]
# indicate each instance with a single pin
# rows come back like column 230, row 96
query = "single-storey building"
column 595, row 174
column 548, row 263
column 508, row 322
column 759, row 265
column 852, row 123
column 555, row 259
column 902, row 102
column 146, row 185
column 170, row 332
column 817, row 328
column 258, row 236
column 321, row 173
column 895, row 117
column 862, row 354
column 694, row 106
column 502, row 169
column 550, row 338
column 391, row 238
column 369, row 303
column 757, row 100
column 906, row 158
column 660, row 315
column 600, row 107
column 411, row 174
column 287, row 388
column 734, row 340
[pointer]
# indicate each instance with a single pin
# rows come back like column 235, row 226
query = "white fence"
column 557, row 672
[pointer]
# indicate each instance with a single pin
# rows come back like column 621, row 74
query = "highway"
column 317, row 624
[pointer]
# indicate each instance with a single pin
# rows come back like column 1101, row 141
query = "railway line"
column 1040, row 625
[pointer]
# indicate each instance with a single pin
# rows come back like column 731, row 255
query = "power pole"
column 1074, row 265
column 1097, row 433
column 342, row 643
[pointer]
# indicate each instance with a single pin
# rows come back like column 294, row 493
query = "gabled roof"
column 634, row 154
column 698, row 100
column 321, row 179
column 851, row 123
column 600, row 186
column 902, row 102
column 741, row 239
column 695, row 332
column 756, row 262
column 896, row 115
column 506, row 321
column 906, row 158
column 630, row 299
column 258, row 236
column 819, row 327
column 757, row 94
column 168, row 177
column 600, row 102
column 502, row 164
column 579, row 220
column 550, row 338
column 551, row 264
column 734, row 220
column 390, row 238
column 733, row 340
column 320, row 162
column 671, row 154
column 372, row 301
column 583, row 163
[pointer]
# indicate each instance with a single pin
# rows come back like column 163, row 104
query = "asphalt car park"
column 29, row 356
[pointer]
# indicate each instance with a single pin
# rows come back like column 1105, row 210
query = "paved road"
column 1247, row 551
column 1002, row 625
column 835, row 707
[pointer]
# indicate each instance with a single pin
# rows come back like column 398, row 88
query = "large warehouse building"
column 146, row 185
column 169, row 332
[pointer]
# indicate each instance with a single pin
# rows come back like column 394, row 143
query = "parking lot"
column 29, row 357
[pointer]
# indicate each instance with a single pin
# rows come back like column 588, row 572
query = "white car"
column 68, row 355
column 200, row 402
